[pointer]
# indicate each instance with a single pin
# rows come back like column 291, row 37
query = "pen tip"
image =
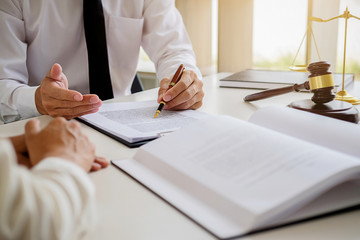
column 156, row 114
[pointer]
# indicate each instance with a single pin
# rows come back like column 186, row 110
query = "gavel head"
column 321, row 82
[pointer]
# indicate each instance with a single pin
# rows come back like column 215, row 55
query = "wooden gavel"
column 321, row 83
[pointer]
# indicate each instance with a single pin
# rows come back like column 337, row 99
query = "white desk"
column 127, row 210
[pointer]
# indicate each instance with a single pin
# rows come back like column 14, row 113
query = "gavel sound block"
column 321, row 83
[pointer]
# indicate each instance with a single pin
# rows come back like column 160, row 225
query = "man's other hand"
column 54, row 98
column 21, row 151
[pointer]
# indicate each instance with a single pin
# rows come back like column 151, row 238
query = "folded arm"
column 52, row 201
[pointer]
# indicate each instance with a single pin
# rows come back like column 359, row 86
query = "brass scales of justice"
column 320, row 82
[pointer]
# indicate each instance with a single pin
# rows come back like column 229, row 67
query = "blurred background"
column 233, row 35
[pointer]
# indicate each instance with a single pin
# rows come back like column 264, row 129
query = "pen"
column 174, row 80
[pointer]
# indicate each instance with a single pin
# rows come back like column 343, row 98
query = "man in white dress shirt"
column 36, row 34
column 55, row 198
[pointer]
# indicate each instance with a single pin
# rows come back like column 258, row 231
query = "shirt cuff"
column 25, row 99
column 170, row 70
column 59, row 165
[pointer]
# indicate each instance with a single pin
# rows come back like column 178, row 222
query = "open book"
column 235, row 177
column 133, row 123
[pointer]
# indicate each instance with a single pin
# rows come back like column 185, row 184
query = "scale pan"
column 346, row 97
column 298, row 68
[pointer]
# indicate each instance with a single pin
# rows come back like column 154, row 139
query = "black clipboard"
column 113, row 136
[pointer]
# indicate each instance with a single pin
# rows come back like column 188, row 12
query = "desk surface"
column 127, row 210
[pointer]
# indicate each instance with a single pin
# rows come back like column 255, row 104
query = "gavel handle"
column 277, row 91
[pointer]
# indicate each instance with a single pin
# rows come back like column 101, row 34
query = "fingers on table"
column 99, row 163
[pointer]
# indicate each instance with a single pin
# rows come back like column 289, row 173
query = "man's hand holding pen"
column 187, row 93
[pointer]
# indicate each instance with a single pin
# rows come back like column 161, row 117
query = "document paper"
column 134, row 121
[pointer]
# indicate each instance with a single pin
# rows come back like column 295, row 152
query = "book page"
column 255, row 168
column 210, row 217
column 341, row 196
column 325, row 131
column 134, row 121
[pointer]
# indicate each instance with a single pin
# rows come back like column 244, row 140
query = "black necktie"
column 94, row 25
